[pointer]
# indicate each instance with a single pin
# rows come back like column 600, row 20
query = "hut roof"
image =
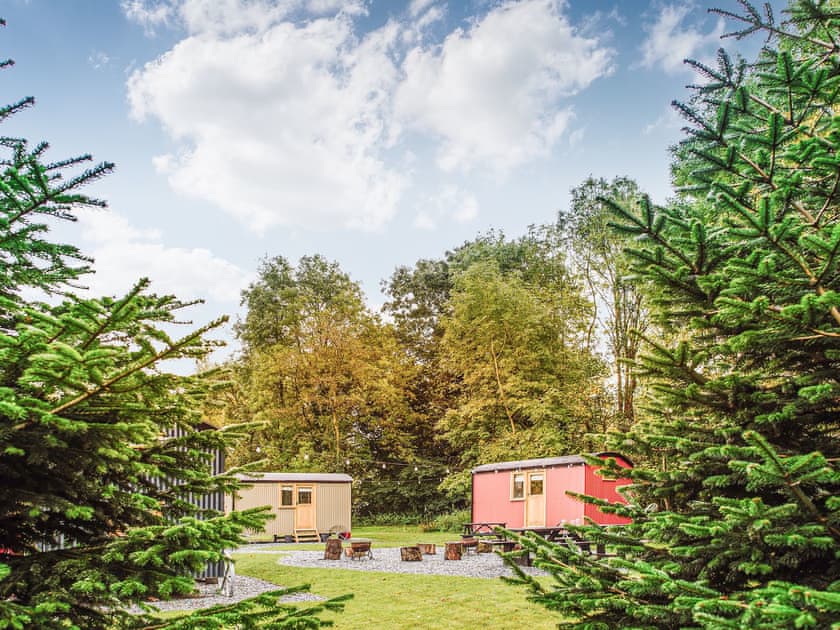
column 305, row 477
column 544, row 462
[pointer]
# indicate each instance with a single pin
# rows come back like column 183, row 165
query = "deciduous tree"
column 331, row 385
column 619, row 314
column 515, row 339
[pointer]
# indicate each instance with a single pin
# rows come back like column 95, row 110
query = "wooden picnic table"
column 483, row 528
column 560, row 534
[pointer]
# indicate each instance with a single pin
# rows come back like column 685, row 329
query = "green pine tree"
column 736, row 499
column 95, row 501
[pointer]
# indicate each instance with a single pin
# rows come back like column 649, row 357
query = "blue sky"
column 374, row 133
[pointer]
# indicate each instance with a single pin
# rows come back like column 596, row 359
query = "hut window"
column 536, row 484
column 517, row 490
column 286, row 496
column 304, row 496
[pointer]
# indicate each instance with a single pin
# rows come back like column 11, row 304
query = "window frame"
column 291, row 489
column 541, row 475
column 310, row 490
column 513, row 479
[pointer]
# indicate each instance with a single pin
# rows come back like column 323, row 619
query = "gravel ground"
column 243, row 588
column 387, row 560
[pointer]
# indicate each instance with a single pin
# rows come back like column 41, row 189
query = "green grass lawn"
column 405, row 601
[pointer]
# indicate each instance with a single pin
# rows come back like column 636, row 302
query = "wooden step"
column 307, row 535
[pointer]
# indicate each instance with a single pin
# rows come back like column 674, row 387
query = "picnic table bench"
column 486, row 545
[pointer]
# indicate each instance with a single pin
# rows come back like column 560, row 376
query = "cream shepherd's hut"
column 306, row 506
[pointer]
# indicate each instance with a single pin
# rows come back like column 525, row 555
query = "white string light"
column 384, row 464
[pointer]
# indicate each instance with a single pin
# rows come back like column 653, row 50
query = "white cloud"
column 233, row 16
column 669, row 42
column 229, row 16
column 493, row 93
column 417, row 6
column 124, row 254
column 282, row 127
column 576, row 137
column 451, row 204
column 99, row 60
column 149, row 15
column 430, row 17
column 424, row 221
column 323, row 7
column 295, row 123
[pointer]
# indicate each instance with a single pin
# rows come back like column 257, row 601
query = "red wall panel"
column 491, row 499
column 560, row 507
column 605, row 489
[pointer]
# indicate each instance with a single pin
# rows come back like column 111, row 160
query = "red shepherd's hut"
column 532, row 492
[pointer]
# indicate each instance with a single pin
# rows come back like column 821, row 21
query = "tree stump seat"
column 427, row 549
column 452, row 551
column 410, row 554
column 332, row 550
column 522, row 558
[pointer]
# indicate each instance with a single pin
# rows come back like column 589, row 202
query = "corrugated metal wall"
column 260, row 494
column 333, row 507
column 213, row 501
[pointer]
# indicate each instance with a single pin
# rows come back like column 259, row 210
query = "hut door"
column 535, row 500
column 305, row 508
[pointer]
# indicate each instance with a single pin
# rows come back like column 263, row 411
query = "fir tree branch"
column 828, row 200
column 793, row 485
column 756, row 24
column 647, row 229
column 813, row 279
column 138, row 287
column 801, row 209
column 155, row 358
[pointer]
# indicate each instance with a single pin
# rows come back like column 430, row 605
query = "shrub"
column 453, row 521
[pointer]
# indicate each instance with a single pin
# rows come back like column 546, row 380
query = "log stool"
column 484, row 546
column 452, row 551
column 332, row 551
column 428, row 549
column 410, row 554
